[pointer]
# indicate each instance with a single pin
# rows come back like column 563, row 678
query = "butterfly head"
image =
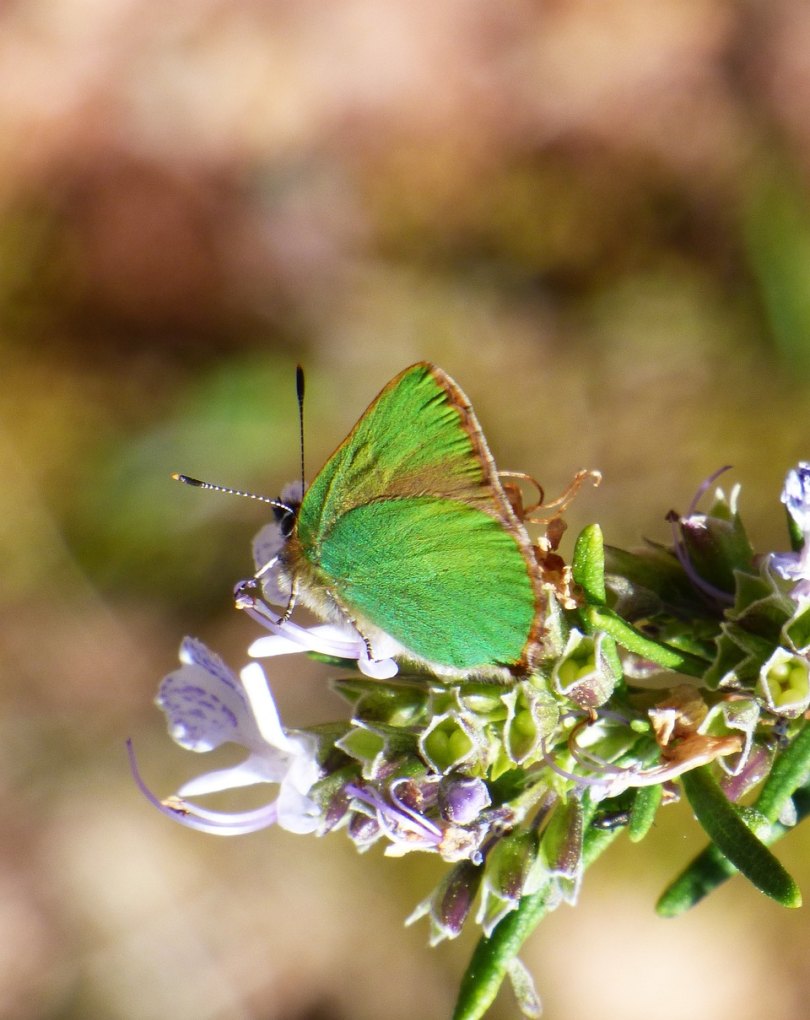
column 285, row 509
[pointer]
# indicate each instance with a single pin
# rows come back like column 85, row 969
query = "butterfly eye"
column 286, row 517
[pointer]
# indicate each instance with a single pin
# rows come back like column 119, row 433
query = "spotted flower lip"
column 206, row 706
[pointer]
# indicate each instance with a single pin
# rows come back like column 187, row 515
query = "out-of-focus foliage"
column 595, row 216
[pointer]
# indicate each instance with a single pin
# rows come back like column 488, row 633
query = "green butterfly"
column 407, row 532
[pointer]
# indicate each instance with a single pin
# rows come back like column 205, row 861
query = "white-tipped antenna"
column 299, row 390
column 188, row 480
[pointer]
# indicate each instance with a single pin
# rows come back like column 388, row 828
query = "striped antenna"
column 299, row 390
column 188, row 480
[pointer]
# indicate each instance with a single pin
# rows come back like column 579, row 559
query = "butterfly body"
column 406, row 531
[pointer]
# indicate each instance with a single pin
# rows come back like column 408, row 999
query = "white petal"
column 264, row 708
column 325, row 638
column 274, row 644
column 297, row 812
column 378, row 669
column 254, row 769
column 303, row 769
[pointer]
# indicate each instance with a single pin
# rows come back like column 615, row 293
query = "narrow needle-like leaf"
column 734, row 839
column 642, row 814
column 600, row 618
column 710, row 868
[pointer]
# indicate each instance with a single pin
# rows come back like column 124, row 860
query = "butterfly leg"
column 352, row 621
column 292, row 599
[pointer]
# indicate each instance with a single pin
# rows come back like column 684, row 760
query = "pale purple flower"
column 796, row 495
column 408, row 829
column 327, row 639
column 795, row 566
column 206, row 706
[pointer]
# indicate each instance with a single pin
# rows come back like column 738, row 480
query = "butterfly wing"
column 444, row 579
column 407, row 524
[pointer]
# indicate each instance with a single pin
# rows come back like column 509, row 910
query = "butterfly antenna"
column 299, row 390
column 188, row 480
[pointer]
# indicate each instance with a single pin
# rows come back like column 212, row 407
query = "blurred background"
column 596, row 216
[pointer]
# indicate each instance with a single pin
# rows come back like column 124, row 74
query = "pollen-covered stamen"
column 219, row 823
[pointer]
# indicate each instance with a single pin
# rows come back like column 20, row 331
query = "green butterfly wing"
column 444, row 579
column 408, row 527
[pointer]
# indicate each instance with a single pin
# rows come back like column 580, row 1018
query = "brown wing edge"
column 460, row 402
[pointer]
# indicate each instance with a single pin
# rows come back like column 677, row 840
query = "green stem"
column 601, row 618
column 490, row 962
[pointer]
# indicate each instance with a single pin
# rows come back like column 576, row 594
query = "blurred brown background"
column 596, row 216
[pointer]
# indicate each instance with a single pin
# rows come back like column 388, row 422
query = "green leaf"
column 788, row 773
column 643, row 812
column 710, row 868
column 734, row 839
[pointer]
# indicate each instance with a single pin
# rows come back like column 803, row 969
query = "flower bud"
column 461, row 800
column 562, row 840
column 715, row 545
column 448, row 907
column 509, row 866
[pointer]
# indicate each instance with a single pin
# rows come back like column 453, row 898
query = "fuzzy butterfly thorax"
column 407, row 533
